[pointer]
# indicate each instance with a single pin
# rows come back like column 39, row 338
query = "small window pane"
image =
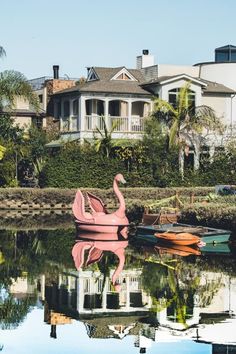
column 66, row 109
column 75, row 107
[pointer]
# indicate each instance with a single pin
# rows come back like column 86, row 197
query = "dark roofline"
column 214, row 62
column 227, row 46
column 21, row 113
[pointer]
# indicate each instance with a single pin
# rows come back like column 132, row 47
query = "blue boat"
column 207, row 234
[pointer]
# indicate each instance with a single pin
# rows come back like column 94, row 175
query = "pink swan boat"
column 96, row 249
column 99, row 220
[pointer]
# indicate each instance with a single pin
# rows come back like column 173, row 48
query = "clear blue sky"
column 80, row 33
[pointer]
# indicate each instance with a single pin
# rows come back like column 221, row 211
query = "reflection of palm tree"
column 13, row 312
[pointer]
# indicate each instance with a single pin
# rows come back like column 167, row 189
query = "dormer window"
column 92, row 75
column 125, row 75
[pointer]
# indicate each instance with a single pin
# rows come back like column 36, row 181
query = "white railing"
column 93, row 122
column 119, row 124
column 64, row 124
column 137, row 124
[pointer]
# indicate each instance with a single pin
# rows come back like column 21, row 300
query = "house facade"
column 123, row 97
column 110, row 96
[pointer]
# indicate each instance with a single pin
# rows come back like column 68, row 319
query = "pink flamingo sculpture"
column 99, row 220
column 96, row 249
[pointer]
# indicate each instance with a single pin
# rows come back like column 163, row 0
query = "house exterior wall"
column 23, row 122
column 171, row 70
column 223, row 73
column 164, row 92
column 221, row 106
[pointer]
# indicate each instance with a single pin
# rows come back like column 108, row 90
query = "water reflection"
column 96, row 244
column 165, row 293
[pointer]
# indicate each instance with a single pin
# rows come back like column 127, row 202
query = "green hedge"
column 59, row 195
column 218, row 215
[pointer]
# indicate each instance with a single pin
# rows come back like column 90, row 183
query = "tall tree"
column 2, row 52
column 14, row 84
column 186, row 124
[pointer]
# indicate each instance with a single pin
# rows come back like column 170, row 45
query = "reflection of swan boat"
column 182, row 238
column 96, row 249
column 99, row 220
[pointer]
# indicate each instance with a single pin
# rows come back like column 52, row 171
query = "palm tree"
column 2, row 52
column 186, row 123
column 104, row 143
column 14, row 84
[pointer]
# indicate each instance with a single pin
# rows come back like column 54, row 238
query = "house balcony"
column 119, row 125
column 134, row 124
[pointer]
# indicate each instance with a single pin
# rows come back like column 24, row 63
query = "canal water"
column 59, row 294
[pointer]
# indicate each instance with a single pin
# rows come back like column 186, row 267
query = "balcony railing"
column 119, row 124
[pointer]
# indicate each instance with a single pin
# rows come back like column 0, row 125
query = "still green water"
column 139, row 299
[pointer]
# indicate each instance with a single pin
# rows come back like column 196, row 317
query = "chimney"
column 55, row 71
column 144, row 60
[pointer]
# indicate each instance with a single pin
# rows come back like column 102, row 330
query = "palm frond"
column 14, row 84
column 183, row 101
column 2, row 52
column 164, row 106
column 173, row 134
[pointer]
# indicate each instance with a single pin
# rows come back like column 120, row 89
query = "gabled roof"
column 207, row 86
column 162, row 80
column 106, row 83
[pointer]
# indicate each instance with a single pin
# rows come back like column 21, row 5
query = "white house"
column 125, row 96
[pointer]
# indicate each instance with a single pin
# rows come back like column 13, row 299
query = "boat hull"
column 207, row 235
column 181, row 239
column 99, row 228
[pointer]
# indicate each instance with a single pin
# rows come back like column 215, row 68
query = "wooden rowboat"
column 183, row 238
column 207, row 234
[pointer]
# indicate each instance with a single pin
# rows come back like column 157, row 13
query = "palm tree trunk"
column 181, row 161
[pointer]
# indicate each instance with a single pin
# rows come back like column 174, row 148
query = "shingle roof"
column 212, row 87
column 215, row 87
column 105, row 84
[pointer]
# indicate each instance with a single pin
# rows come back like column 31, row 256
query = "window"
column 173, row 97
column 66, row 107
column 75, row 107
column 40, row 98
column 123, row 76
column 222, row 56
column 57, row 110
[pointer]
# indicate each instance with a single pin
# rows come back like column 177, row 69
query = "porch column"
column 129, row 115
column 106, row 113
column 82, row 114
column 62, row 115
column 211, row 152
column 196, row 157
column 127, row 305
column 70, row 116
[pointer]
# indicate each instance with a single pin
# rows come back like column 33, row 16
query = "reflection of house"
column 23, row 287
column 94, row 297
